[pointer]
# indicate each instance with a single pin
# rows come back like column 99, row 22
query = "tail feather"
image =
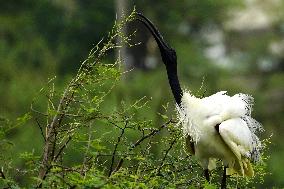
column 241, row 168
column 248, row 170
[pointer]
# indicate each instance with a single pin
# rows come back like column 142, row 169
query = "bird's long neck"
column 174, row 83
column 168, row 56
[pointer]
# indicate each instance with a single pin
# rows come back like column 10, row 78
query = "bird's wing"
column 238, row 137
column 228, row 107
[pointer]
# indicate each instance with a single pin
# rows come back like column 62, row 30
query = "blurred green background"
column 234, row 45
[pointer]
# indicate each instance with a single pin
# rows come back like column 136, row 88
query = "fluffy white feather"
column 236, row 141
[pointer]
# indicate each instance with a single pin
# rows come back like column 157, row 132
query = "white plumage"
column 236, row 142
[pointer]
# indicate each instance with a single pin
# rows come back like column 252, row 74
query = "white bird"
column 215, row 127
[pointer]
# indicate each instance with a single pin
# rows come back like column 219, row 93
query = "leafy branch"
column 83, row 77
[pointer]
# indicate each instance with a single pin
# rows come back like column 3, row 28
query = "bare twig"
column 36, row 111
column 87, row 151
column 62, row 148
column 41, row 131
column 68, row 169
column 165, row 155
column 154, row 132
column 138, row 142
column 54, row 141
column 115, row 147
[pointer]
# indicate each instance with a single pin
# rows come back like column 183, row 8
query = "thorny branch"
column 86, row 159
column 165, row 155
column 138, row 142
column 62, row 148
column 41, row 131
column 115, row 147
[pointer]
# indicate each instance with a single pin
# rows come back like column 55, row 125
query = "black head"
column 168, row 54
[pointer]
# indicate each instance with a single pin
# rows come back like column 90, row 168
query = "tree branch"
column 138, row 142
column 115, row 147
column 41, row 131
column 87, row 150
column 166, row 154
column 62, row 148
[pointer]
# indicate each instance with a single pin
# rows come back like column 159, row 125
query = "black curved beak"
column 156, row 34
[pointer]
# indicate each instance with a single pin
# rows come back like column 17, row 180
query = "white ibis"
column 215, row 127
